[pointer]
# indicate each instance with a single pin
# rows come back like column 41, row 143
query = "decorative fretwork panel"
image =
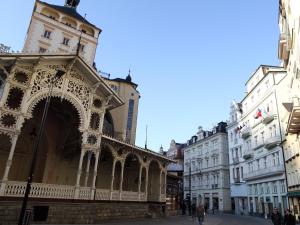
column 75, row 75
column 14, row 98
column 42, row 81
column 95, row 121
column 21, row 77
column 8, row 120
column 81, row 92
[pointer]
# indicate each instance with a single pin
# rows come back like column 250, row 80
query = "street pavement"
column 217, row 219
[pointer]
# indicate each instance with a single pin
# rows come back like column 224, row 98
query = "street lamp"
column 58, row 75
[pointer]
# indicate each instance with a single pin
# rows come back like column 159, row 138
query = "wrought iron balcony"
column 237, row 180
column 259, row 145
column 248, row 155
column 264, row 172
column 272, row 142
column 214, row 186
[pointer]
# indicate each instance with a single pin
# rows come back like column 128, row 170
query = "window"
column 129, row 119
column 263, row 137
column 42, row 50
column 274, row 188
column 282, row 184
column 265, row 162
column 47, row 34
column 66, row 41
column 242, row 172
column 258, row 164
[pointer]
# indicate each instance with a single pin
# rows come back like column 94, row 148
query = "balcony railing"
column 248, row 155
column 264, row 172
column 54, row 191
column 283, row 51
column 293, row 125
column 272, row 142
column 259, row 145
column 214, row 186
column 237, row 180
column 269, row 118
column 235, row 160
column 246, row 132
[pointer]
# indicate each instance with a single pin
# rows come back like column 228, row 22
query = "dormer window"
column 66, row 41
column 47, row 34
column 42, row 50
column 82, row 47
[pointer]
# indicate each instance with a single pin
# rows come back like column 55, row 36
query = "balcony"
column 259, row 145
column 237, row 180
column 214, row 186
column 268, row 119
column 235, row 160
column 293, row 125
column 283, row 46
column 272, row 142
column 248, row 155
column 264, row 172
column 246, row 132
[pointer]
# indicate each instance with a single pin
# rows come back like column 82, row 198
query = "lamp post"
column 58, row 75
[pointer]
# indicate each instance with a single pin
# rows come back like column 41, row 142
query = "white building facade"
column 238, row 187
column 259, row 131
column 206, row 174
column 289, row 53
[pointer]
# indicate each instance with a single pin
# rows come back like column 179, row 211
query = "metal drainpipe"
column 281, row 142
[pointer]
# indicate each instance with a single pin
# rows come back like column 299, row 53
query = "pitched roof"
column 69, row 11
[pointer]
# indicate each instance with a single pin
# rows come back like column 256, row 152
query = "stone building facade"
column 238, row 187
column 81, row 157
column 289, row 54
column 259, row 132
column 206, row 169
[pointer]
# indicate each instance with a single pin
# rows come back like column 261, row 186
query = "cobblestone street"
column 220, row 219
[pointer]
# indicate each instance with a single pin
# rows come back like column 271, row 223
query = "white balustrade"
column 85, row 193
column 130, row 196
column 38, row 190
column 143, row 197
column 162, row 197
column 115, row 195
column 102, row 194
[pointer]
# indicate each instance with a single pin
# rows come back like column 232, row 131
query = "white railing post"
column 77, row 186
column 112, row 180
column 8, row 164
column 95, row 175
column 140, row 181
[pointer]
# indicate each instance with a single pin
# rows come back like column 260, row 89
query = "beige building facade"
column 289, row 53
column 82, row 156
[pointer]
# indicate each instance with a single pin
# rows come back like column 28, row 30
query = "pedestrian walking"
column 276, row 217
column 200, row 213
column 289, row 218
column 194, row 212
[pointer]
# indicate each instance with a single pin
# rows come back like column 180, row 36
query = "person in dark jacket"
column 289, row 218
column 276, row 217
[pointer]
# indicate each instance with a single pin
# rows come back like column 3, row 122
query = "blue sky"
column 190, row 58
